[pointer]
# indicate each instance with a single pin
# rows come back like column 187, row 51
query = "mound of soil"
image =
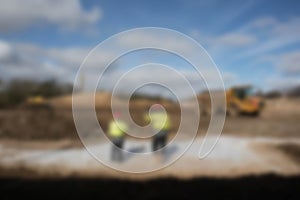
column 37, row 124
column 291, row 150
column 279, row 119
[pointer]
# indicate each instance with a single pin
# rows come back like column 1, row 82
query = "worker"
column 161, row 126
column 116, row 131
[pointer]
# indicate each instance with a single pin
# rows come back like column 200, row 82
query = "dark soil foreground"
column 252, row 187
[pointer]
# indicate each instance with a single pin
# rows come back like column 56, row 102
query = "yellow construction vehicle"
column 37, row 102
column 243, row 100
column 239, row 100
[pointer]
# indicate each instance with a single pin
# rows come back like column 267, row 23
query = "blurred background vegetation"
column 17, row 91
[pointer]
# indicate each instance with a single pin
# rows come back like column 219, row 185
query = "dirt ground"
column 292, row 150
column 46, row 129
column 40, row 146
column 280, row 118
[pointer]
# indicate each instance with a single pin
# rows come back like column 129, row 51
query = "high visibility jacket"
column 117, row 128
column 159, row 120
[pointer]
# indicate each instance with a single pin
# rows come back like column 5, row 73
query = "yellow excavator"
column 243, row 100
column 239, row 100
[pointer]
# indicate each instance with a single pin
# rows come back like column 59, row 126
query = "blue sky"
column 252, row 42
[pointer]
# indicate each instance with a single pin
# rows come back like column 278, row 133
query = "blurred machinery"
column 239, row 100
column 243, row 100
column 37, row 102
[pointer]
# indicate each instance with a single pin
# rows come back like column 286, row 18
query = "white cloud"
column 35, row 62
column 252, row 40
column 74, row 56
column 272, row 35
column 227, row 40
column 66, row 14
column 155, row 74
column 235, row 39
column 5, row 51
column 282, row 82
column 263, row 22
column 161, row 75
column 28, row 61
column 290, row 28
column 289, row 62
column 156, row 38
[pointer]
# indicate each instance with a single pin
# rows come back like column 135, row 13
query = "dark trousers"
column 116, row 152
column 159, row 140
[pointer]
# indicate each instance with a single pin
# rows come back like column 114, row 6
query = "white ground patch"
column 231, row 157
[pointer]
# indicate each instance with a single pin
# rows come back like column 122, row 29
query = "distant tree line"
column 292, row 93
column 273, row 94
column 18, row 91
column 295, row 92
